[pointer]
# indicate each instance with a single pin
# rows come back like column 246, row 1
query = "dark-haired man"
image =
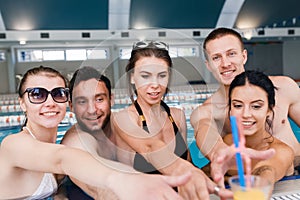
column 91, row 101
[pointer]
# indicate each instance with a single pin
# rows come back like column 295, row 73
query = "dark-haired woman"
column 152, row 135
column 251, row 100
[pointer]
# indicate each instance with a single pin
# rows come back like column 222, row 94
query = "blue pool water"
column 296, row 129
column 15, row 129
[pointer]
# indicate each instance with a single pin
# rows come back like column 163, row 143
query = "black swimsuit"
column 140, row 163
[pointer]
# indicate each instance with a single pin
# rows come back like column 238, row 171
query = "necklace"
column 29, row 131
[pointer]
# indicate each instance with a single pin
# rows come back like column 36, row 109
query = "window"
column 75, row 54
column 180, row 51
column 125, row 53
column 83, row 54
column 97, row 53
column 53, row 55
column 184, row 51
column 2, row 56
column 37, row 55
column 173, row 52
column 30, row 55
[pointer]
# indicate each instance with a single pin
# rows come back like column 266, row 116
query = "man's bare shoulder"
column 201, row 112
column 287, row 89
column 75, row 136
column 71, row 134
column 213, row 102
column 283, row 82
column 212, row 108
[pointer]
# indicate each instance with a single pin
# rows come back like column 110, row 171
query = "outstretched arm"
column 60, row 159
column 206, row 132
column 161, row 155
column 79, row 139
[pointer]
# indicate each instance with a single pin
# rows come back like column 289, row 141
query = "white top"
column 48, row 185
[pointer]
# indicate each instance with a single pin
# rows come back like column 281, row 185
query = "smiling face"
column 249, row 103
column 225, row 58
column 91, row 105
column 150, row 77
column 50, row 113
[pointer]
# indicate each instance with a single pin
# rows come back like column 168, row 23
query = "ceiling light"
column 248, row 34
column 22, row 42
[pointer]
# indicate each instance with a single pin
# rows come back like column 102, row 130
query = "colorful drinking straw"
column 239, row 161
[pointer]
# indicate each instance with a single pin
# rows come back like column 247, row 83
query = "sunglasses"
column 39, row 95
column 150, row 44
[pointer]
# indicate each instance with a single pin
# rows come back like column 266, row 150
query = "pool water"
column 12, row 122
column 296, row 129
column 15, row 129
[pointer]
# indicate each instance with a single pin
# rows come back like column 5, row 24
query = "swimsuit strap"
column 140, row 163
column 167, row 109
column 143, row 119
column 181, row 147
column 29, row 131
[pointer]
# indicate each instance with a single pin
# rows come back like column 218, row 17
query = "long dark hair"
column 261, row 80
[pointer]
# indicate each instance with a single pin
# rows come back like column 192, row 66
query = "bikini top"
column 140, row 163
column 48, row 185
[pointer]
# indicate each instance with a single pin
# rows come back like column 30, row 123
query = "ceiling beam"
column 229, row 13
column 118, row 14
column 2, row 26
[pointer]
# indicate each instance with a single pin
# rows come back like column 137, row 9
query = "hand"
column 224, row 159
column 150, row 187
column 200, row 186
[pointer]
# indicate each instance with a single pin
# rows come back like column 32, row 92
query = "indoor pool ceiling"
column 137, row 14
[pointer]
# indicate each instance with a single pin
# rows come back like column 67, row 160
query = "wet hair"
column 220, row 32
column 258, row 79
column 87, row 73
column 43, row 71
column 139, row 53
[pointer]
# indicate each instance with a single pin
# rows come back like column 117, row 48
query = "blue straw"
column 238, row 156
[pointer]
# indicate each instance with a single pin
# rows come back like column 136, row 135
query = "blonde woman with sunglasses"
column 30, row 159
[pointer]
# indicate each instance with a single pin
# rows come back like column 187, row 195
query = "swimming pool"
column 11, row 118
column 12, row 122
